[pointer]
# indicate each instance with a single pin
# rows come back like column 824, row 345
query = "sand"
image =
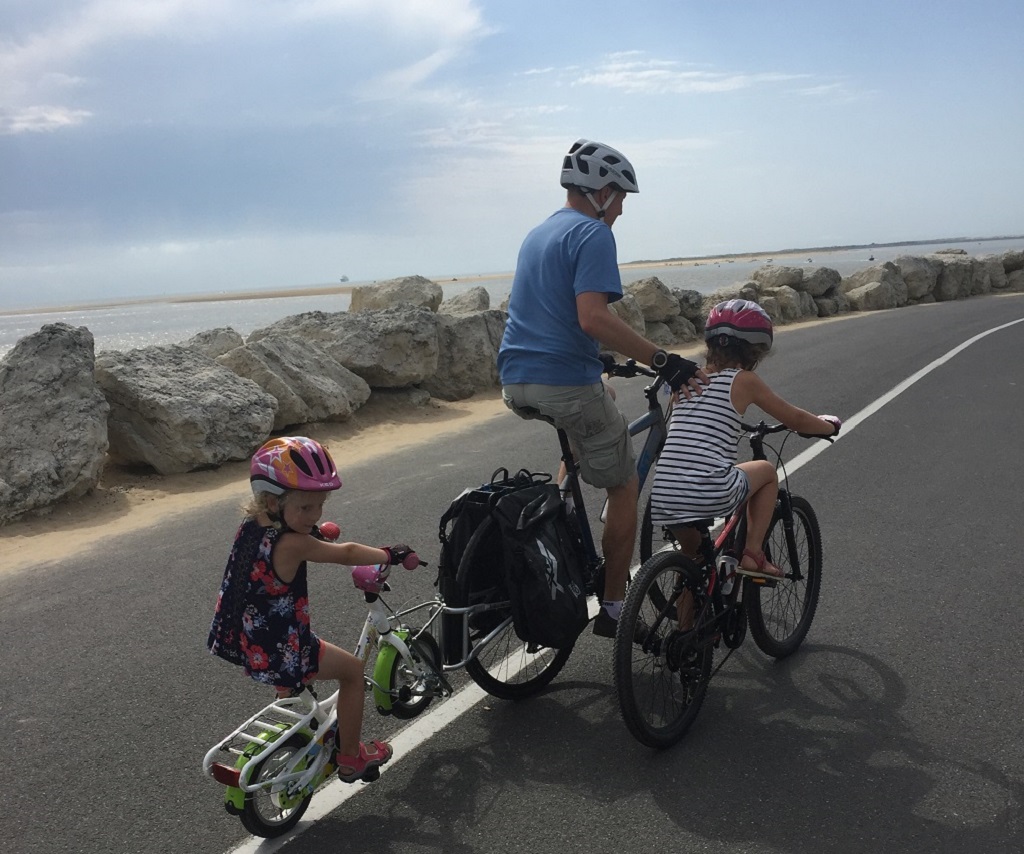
column 127, row 501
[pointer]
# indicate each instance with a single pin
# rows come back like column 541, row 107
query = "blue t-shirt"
column 566, row 255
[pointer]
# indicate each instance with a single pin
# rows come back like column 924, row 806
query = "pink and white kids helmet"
column 739, row 318
column 292, row 462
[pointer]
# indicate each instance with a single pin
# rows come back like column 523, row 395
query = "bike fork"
column 789, row 529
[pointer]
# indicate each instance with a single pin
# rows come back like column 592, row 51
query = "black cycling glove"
column 673, row 369
column 401, row 554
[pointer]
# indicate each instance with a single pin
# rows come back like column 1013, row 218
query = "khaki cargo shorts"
column 597, row 431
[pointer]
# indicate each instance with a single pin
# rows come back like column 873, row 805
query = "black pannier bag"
column 465, row 517
column 543, row 569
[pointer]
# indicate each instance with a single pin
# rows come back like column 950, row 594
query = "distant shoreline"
column 752, row 255
column 328, row 290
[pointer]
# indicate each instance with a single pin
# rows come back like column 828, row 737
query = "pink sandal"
column 763, row 568
column 365, row 766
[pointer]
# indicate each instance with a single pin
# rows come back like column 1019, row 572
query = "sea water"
column 141, row 324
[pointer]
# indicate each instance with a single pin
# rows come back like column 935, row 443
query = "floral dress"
column 262, row 623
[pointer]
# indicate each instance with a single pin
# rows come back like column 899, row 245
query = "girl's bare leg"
column 764, row 490
column 336, row 663
column 689, row 544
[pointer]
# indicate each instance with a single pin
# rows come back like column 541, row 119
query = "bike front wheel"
column 780, row 614
column 504, row 666
column 662, row 665
column 406, row 682
column 270, row 810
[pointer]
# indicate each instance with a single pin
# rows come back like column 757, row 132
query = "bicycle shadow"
column 806, row 755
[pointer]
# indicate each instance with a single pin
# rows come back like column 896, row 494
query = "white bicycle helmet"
column 590, row 166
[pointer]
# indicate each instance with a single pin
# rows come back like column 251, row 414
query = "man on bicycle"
column 549, row 361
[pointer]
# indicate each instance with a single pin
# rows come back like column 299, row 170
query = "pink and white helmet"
column 292, row 462
column 739, row 318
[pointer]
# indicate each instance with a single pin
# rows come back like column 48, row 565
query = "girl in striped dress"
column 697, row 476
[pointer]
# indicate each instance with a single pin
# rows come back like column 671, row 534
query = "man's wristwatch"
column 659, row 359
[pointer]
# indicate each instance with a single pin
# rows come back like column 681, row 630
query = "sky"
column 162, row 147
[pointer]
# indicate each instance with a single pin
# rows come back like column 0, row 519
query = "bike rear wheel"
column 661, row 671
column 269, row 813
column 780, row 615
column 505, row 667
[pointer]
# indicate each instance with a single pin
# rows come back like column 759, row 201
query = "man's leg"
column 619, row 538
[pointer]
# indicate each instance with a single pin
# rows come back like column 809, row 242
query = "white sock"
column 613, row 608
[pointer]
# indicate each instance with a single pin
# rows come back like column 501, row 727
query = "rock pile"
column 65, row 411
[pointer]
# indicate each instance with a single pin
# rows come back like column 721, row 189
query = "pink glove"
column 834, row 421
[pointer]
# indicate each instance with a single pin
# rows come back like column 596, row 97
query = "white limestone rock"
column 53, row 420
column 176, row 410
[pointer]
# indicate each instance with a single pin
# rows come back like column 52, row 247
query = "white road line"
column 333, row 794
column 851, row 423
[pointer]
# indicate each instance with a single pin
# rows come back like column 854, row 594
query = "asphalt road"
column 896, row 728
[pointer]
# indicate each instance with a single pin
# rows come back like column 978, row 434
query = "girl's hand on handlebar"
column 401, row 554
column 834, row 421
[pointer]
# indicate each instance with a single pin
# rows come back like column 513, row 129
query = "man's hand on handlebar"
column 681, row 375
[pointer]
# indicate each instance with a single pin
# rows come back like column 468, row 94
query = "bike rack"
column 273, row 724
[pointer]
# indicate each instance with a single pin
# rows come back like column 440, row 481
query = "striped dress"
column 696, row 477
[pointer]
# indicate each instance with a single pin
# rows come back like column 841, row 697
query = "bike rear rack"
column 255, row 738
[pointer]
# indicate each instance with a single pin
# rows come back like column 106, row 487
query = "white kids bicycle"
column 273, row 763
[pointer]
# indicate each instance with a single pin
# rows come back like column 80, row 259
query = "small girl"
column 262, row 618
column 697, row 476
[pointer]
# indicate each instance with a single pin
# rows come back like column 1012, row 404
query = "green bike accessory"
column 234, row 798
column 386, row 659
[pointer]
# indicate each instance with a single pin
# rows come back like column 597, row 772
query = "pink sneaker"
column 365, row 766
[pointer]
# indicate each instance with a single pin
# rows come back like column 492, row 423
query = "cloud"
column 74, row 57
column 39, row 119
column 834, row 92
column 629, row 73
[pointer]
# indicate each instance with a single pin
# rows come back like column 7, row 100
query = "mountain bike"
column 496, row 658
column 273, row 763
column 678, row 609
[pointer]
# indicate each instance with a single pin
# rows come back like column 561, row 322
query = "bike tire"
column 646, row 534
column 271, row 814
column 661, row 674
column 780, row 616
column 423, row 648
column 506, row 667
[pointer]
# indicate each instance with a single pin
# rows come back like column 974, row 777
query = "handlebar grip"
column 329, row 531
column 829, row 439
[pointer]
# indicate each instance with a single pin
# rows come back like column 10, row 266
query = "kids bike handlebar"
column 761, row 429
